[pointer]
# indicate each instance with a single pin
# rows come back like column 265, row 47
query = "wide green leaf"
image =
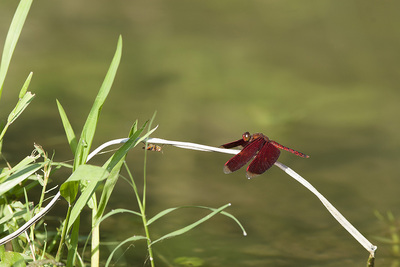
column 11, row 258
column 87, row 135
column 90, row 173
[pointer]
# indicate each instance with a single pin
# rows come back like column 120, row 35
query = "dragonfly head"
column 246, row 136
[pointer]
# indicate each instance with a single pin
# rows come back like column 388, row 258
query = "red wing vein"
column 247, row 153
column 267, row 156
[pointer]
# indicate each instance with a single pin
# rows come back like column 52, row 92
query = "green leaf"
column 133, row 128
column 117, row 211
column 12, row 38
column 72, row 250
column 86, row 139
column 107, row 190
column 191, row 226
column 25, row 86
column 131, row 239
column 167, row 211
column 67, row 128
column 114, row 166
column 132, row 142
column 20, row 107
column 14, row 259
column 19, row 177
column 83, row 199
column 69, row 189
column 21, row 165
column 91, row 175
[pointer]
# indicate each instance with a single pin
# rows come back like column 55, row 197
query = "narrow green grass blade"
column 83, row 173
column 19, row 176
column 20, row 107
column 89, row 173
column 67, row 128
column 13, row 215
column 83, row 199
column 111, row 213
column 114, row 166
column 107, row 190
column 131, row 239
column 86, row 139
column 117, row 211
column 12, row 38
column 191, row 226
column 22, row 164
column 25, row 86
column 123, row 150
column 73, row 246
column 133, row 128
column 152, row 119
column 167, row 211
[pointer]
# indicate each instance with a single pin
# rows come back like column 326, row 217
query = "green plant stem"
column 63, row 234
column 146, row 229
column 3, row 132
column 46, row 171
column 371, row 261
column 143, row 211
column 32, row 227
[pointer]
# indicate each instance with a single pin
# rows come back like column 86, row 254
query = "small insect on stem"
column 153, row 147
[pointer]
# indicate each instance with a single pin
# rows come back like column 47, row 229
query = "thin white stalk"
column 335, row 213
column 191, row 146
column 34, row 219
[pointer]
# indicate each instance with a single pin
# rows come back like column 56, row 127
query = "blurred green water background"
column 318, row 76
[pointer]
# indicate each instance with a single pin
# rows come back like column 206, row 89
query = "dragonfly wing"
column 239, row 142
column 267, row 156
column 247, row 153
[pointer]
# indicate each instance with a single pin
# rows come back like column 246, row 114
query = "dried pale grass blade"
column 335, row 213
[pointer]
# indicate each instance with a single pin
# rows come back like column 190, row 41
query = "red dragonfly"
column 258, row 146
